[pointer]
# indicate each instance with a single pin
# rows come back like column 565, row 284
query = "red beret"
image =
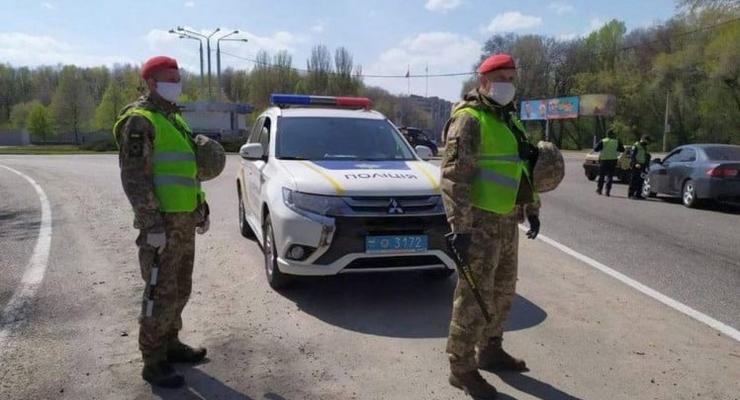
column 496, row 62
column 155, row 64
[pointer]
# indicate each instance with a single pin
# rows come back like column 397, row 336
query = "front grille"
column 407, row 204
column 394, row 262
column 350, row 232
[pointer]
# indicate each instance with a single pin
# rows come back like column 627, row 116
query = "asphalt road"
column 690, row 255
column 584, row 334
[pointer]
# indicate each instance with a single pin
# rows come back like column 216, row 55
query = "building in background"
column 217, row 120
column 439, row 111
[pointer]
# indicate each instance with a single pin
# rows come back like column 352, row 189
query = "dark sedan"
column 696, row 173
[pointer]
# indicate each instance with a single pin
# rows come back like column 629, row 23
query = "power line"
column 469, row 73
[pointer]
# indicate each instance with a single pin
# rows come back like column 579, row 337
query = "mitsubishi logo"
column 394, row 208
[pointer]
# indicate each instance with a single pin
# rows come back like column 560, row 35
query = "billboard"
column 562, row 108
column 598, row 105
column 533, row 110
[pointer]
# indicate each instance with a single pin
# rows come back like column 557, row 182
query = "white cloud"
column 444, row 52
column 318, row 27
column 48, row 5
column 564, row 37
column 189, row 4
column 442, row 5
column 594, row 25
column 29, row 50
column 512, row 21
column 561, row 7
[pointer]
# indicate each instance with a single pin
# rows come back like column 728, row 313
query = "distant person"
column 609, row 149
column 639, row 162
column 161, row 170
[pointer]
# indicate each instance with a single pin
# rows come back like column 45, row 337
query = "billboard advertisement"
column 598, row 105
column 562, row 108
column 533, row 110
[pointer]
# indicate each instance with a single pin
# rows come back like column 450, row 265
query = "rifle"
column 464, row 270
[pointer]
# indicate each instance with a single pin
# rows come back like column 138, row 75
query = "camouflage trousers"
column 493, row 263
column 168, row 282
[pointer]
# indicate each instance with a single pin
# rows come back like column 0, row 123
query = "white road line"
column 676, row 305
column 14, row 312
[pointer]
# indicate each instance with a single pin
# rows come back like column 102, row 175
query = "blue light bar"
column 285, row 99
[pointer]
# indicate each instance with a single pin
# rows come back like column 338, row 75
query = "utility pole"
column 180, row 29
column 666, row 123
column 426, row 91
column 218, row 55
column 183, row 35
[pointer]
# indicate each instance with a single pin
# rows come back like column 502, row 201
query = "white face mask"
column 169, row 91
column 502, row 92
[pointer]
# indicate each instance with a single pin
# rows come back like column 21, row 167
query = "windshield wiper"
column 293, row 158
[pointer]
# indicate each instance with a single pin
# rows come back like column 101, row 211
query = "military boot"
column 494, row 358
column 473, row 385
column 179, row 352
column 161, row 374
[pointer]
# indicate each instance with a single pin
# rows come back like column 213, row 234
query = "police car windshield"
column 326, row 138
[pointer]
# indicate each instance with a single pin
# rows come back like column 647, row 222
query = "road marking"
column 14, row 312
column 676, row 305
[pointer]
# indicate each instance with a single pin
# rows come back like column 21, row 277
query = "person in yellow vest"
column 491, row 176
column 639, row 163
column 609, row 149
column 162, row 166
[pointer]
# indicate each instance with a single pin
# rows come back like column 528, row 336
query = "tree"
column 39, row 122
column 19, row 115
column 117, row 95
column 71, row 106
column 319, row 69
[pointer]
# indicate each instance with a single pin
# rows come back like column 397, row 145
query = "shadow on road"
column 202, row 386
column 533, row 387
column 406, row 305
column 708, row 206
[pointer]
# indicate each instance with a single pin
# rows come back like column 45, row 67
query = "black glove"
column 534, row 226
column 459, row 244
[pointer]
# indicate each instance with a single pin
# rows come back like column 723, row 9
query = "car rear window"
column 326, row 138
column 723, row 153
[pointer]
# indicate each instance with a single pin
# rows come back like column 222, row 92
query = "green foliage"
column 19, row 114
column 39, row 122
column 121, row 90
column 72, row 104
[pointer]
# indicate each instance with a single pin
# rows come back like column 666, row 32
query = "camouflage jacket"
column 459, row 165
column 135, row 138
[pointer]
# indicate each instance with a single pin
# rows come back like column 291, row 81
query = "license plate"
column 396, row 244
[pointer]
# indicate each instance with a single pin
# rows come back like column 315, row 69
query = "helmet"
column 210, row 157
column 646, row 139
column 549, row 169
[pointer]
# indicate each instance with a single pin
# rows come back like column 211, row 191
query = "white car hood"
column 364, row 178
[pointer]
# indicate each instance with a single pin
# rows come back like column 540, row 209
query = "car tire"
column 438, row 274
column 688, row 195
column 646, row 192
column 591, row 176
column 276, row 279
column 244, row 227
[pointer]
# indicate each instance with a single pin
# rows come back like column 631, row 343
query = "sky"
column 386, row 37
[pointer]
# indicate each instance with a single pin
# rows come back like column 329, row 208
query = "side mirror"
column 424, row 152
column 656, row 161
column 251, row 151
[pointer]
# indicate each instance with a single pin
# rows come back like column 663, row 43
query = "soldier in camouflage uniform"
column 487, row 239
column 168, row 210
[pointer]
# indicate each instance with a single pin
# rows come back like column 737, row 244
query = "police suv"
column 328, row 186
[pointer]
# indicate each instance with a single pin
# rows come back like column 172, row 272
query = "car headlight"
column 316, row 204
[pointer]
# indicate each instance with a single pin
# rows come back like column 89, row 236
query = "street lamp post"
column 218, row 54
column 200, row 50
column 208, row 49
